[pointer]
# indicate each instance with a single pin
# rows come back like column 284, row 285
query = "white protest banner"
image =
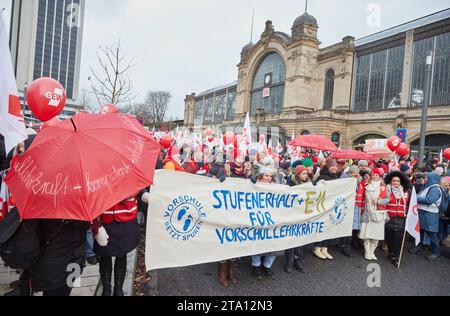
column 12, row 124
column 195, row 220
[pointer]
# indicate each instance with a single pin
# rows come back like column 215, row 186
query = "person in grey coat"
column 429, row 200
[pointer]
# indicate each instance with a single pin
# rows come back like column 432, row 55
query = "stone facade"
column 306, row 65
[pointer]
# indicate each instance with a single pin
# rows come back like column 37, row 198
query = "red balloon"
column 446, row 154
column 210, row 139
column 403, row 150
column 209, row 132
column 166, row 141
column 394, row 143
column 228, row 138
column 315, row 159
column 109, row 109
column 46, row 98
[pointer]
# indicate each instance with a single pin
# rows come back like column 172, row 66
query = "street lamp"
column 426, row 103
column 24, row 106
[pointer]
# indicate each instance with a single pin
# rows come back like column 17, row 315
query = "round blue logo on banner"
column 184, row 218
column 339, row 213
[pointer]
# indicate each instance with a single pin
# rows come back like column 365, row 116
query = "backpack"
column 20, row 246
column 445, row 203
column 443, row 207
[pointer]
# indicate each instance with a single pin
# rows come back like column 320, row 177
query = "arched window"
column 305, row 132
column 329, row 90
column 433, row 145
column 268, row 85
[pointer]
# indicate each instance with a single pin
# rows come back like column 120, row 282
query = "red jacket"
column 124, row 212
column 398, row 208
column 383, row 195
column 361, row 196
column 191, row 167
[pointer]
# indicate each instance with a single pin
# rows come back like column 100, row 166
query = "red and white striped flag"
column 6, row 204
column 247, row 133
column 279, row 148
column 412, row 221
column 12, row 124
column 270, row 147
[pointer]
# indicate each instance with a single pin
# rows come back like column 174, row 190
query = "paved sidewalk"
column 129, row 281
column 89, row 280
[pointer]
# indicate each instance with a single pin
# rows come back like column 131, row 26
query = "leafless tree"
column 86, row 104
column 110, row 81
column 154, row 109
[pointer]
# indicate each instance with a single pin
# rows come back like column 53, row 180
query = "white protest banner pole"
column 412, row 225
column 401, row 251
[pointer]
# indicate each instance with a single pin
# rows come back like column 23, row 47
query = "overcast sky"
column 186, row 46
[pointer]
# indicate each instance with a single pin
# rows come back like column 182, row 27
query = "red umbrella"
column 79, row 168
column 352, row 154
column 314, row 142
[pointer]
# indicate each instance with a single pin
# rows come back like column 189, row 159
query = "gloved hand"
column 253, row 179
column 102, row 237
column 145, row 197
column 222, row 179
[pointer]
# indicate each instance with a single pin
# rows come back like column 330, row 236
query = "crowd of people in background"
column 383, row 192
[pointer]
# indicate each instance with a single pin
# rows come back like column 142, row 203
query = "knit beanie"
column 299, row 170
column 307, row 163
column 331, row 163
column 296, row 164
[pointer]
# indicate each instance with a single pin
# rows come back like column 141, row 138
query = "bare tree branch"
column 154, row 109
column 110, row 80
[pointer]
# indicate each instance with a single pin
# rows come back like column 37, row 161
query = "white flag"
column 279, row 148
column 247, row 131
column 12, row 124
column 412, row 222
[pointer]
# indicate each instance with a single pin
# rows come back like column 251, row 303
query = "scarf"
column 398, row 192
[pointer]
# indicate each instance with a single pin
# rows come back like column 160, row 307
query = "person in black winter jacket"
column 62, row 262
column 295, row 256
column 64, row 247
column 329, row 173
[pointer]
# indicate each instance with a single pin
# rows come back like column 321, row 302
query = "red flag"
column 412, row 222
column 12, row 125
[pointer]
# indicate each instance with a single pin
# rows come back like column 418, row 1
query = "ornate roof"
column 247, row 48
column 305, row 18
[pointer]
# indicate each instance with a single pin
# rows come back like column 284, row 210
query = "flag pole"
column 401, row 251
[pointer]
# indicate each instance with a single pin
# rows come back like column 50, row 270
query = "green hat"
column 307, row 163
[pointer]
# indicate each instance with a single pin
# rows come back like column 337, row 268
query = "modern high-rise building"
column 46, row 39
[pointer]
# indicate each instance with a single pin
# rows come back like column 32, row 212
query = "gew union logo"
column 338, row 213
column 184, row 218
column 54, row 97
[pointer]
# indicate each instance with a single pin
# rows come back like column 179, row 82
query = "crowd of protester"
column 383, row 195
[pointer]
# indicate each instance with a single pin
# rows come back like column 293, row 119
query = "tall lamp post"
column 24, row 106
column 426, row 103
